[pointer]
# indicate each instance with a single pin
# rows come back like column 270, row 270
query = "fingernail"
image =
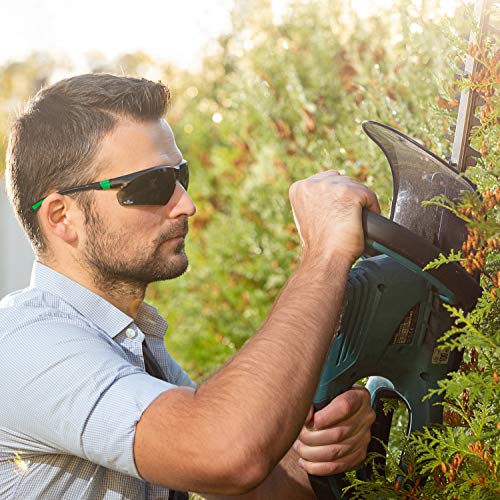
column 301, row 463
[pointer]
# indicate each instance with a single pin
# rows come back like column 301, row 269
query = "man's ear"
column 57, row 217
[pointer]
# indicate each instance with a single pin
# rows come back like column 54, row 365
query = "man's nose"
column 180, row 203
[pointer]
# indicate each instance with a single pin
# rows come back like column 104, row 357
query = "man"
column 99, row 185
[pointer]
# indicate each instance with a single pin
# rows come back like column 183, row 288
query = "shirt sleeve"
column 71, row 391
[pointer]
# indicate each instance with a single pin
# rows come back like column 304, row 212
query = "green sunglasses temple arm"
column 107, row 184
column 102, row 185
column 37, row 205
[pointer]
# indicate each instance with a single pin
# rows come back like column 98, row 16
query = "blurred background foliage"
column 273, row 103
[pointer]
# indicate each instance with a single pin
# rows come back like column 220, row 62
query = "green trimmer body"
column 393, row 314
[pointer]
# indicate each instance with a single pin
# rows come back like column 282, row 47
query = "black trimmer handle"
column 383, row 235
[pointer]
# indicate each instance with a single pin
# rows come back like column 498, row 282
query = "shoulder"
column 38, row 329
column 32, row 309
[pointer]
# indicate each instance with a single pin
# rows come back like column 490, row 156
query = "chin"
column 176, row 267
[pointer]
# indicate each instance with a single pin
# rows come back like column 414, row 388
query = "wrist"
column 336, row 264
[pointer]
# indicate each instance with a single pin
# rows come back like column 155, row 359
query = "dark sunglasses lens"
column 152, row 188
column 183, row 176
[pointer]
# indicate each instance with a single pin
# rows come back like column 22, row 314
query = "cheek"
column 105, row 203
column 130, row 230
column 147, row 217
column 128, row 222
column 135, row 227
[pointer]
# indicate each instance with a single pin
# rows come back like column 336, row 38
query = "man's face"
column 136, row 244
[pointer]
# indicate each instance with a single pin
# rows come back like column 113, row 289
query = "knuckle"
column 355, row 465
column 292, row 190
column 366, row 441
column 360, row 457
column 354, row 461
column 364, row 446
column 309, row 467
column 340, row 434
column 334, row 468
column 333, row 453
column 304, row 436
column 372, row 416
column 351, row 402
column 322, row 469
column 342, row 191
column 299, row 447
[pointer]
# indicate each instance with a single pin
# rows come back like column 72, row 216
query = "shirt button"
column 130, row 333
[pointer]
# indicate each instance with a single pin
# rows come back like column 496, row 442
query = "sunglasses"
column 153, row 186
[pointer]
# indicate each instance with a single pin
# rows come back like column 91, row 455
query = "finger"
column 332, row 435
column 332, row 452
column 345, row 463
column 342, row 408
column 372, row 202
column 369, row 198
column 359, row 431
column 328, row 453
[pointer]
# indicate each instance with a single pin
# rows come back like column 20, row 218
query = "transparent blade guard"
column 419, row 175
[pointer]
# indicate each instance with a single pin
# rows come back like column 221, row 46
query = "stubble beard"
column 119, row 265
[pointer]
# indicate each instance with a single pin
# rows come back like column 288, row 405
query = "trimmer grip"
column 330, row 487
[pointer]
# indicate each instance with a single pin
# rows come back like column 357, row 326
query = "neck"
column 125, row 295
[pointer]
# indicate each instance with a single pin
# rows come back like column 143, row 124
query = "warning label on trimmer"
column 440, row 355
column 406, row 330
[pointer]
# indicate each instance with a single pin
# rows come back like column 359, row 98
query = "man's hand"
column 335, row 438
column 327, row 211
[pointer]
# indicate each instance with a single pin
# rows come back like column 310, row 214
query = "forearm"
column 267, row 388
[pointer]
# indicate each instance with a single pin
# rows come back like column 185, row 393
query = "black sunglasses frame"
column 122, row 182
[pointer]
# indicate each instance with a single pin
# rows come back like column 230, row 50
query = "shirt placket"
column 132, row 341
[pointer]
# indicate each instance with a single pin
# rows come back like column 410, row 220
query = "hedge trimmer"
column 394, row 314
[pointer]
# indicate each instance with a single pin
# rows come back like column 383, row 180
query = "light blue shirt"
column 72, row 389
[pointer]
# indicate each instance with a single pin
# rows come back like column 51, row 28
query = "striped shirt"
column 73, row 387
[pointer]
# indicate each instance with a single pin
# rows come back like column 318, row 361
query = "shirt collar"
column 93, row 307
column 149, row 320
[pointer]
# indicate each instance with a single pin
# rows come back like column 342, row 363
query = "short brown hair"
column 54, row 141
